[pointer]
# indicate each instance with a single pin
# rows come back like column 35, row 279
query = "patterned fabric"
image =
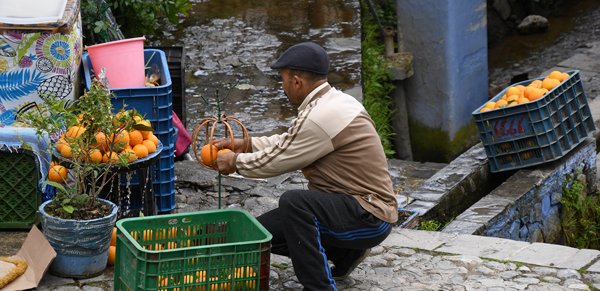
column 38, row 63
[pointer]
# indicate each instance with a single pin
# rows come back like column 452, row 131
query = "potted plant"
column 88, row 145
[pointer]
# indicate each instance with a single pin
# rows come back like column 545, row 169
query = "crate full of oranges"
column 224, row 249
column 534, row 121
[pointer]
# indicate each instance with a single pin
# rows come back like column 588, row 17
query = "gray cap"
column 305, row 56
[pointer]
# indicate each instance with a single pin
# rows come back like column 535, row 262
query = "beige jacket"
column 334, row 142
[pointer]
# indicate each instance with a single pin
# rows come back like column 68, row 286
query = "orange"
column 148, row 234
column 58, row 174
column 208, row 154
column 66, row 151
column 101, row 141
column 512, row 99
column 490, row 105
column 145, row 133
column 95, row 156
column 141, row 151
column 135, row 137
column 484, row 109
column 60, row 144
column 113, row 239
column 129, row 154
column 523, row 100
column 120, row 140
column 565, row 76
column 513, row 91
column 535, row 84
column 153, row 138
column 550, row 83
column 224, row 151
column 555, row 75
column 149, row 145
column 112, row 255
column 501, row 103
column 537, row 94
column 75, row 131
column 111, row 157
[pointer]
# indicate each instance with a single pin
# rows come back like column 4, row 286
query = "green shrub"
column 376, row 82
column 580, row 214
column 133, row 17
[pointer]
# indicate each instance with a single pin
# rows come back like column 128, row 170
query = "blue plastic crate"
column 165, row 202
column 535, row 132
column 154, row 103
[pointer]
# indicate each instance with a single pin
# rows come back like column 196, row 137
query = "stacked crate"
column 536, row 132
column 156, row 105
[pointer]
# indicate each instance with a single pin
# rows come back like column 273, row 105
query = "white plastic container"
column 31, row 11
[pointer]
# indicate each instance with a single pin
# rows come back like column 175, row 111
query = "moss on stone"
column 434, row 145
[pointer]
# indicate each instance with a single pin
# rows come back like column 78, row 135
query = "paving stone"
column 481, row 246
column 554, row 256
column 594, row 267
column 420, row 239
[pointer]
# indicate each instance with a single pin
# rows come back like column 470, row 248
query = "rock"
column 503, row 8
column 533, row 24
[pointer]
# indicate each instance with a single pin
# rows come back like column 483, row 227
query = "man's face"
column 291, row 87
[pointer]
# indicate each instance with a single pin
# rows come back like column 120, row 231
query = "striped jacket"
column 334, row 142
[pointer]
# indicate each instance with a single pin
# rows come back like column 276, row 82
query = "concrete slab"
column 595, row 268
column 582, row 62
column 485, row 209
column 463, row 227
column 555, row 256
column 417, row 239
column 483, row 246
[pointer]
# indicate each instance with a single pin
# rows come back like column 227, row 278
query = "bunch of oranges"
column 209, row 153
column 520, row 94
column 121, row 146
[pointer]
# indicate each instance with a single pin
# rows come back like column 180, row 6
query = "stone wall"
column 504, row 16
column 526, row 206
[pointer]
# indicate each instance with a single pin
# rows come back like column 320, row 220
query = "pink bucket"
column 123, row 60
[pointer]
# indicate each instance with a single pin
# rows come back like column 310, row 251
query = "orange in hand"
column 224, row 151
column 208, row 154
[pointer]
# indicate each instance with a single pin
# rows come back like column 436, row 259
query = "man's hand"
column 225, row 143
column 225, row 163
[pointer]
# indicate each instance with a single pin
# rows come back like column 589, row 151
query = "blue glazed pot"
column 81, row 245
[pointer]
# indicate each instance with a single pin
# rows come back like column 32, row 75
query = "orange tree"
column 80, row 131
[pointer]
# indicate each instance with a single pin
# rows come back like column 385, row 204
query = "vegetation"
column 134, row 17
column 430, row 225
column 376, row 82
column 580, row 214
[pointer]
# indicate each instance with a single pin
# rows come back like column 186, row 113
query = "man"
column 349, row 205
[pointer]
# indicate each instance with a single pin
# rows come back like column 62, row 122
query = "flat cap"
column 305, row 56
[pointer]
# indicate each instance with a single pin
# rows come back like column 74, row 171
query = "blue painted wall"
column 448, row 40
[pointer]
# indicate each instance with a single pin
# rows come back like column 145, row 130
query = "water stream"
column 231, row 43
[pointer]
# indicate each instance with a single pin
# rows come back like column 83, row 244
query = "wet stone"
column 568, row 274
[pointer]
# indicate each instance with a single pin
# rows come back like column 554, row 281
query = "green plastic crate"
column 19, row 192
column 225, row 249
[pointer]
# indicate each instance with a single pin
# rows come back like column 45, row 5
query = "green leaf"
column 142, row 127
column 68, row 209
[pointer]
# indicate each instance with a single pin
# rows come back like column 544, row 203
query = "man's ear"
column 298, row 82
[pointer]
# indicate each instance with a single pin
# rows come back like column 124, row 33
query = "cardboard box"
column 38, row 253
